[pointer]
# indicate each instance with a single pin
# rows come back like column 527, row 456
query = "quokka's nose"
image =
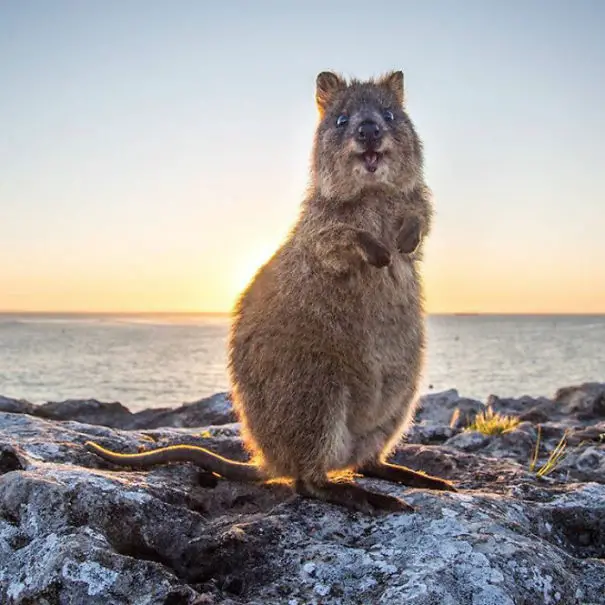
column 369, row 132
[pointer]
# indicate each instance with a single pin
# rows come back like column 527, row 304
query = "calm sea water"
column 162, row 360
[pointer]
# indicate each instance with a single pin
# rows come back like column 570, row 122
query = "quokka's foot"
column 352, row 496
column 409, row 236
column 405, row 476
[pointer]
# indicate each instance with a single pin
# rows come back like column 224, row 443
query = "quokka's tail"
column 230, row 469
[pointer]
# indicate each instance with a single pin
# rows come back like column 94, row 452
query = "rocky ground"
column 74, row 530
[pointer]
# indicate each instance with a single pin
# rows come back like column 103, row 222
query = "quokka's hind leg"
column 311, row 478
column 351, row 496
column 404, row 475
column 372, row 450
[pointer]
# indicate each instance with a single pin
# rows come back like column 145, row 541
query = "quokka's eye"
column 342, row 120
column 388, row 115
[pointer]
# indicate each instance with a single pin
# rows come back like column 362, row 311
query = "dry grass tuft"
column 553, row 460
column 492, row 423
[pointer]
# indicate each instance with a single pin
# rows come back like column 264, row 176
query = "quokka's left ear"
column 394, row 82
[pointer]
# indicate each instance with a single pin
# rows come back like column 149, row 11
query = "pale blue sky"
column 153, row 153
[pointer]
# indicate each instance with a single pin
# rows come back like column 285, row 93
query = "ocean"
column 165, row 360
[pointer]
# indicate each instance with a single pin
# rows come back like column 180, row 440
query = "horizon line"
column 228, row 313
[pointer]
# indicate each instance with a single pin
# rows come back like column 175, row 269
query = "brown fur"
column 327, row 340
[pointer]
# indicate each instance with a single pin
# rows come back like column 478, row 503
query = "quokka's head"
column 365, row 139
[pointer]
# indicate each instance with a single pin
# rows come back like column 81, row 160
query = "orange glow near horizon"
column 450, row 287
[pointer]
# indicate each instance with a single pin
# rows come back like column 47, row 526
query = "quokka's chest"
column 394, row 285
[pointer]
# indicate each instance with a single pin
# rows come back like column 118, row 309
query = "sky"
column 154, row 154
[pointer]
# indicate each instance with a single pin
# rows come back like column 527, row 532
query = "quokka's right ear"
column 327, row 85
column 394, row 82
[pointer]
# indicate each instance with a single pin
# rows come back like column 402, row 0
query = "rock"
column 594, row 433
column 212, row 410
column 429, row 434
column 448, row 408
column 575, row 405
column 75, row 529
column 517, row 444
column 585, row 402
column 89, row 411
column 468, row 441
column 17, row 406
column 516, row 406
column 585, row 464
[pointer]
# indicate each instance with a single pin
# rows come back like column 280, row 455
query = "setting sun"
column 248, row 263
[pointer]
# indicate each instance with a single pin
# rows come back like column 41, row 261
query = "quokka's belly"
column 397, row 341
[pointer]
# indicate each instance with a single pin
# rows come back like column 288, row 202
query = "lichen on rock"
column 75, row 530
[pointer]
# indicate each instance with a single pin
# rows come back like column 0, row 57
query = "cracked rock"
column 77, row 530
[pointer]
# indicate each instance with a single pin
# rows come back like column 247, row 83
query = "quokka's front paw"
column 409, row 236
column 375, row 253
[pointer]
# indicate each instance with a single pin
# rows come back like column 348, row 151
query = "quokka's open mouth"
column 371, row 159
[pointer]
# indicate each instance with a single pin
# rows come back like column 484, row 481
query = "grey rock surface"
column 76, row 530
column 209, row 410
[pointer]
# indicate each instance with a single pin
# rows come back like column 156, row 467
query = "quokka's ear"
column 394, row 82
column 327, row 84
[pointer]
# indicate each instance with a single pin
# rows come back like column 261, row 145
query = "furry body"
column 327, row 340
